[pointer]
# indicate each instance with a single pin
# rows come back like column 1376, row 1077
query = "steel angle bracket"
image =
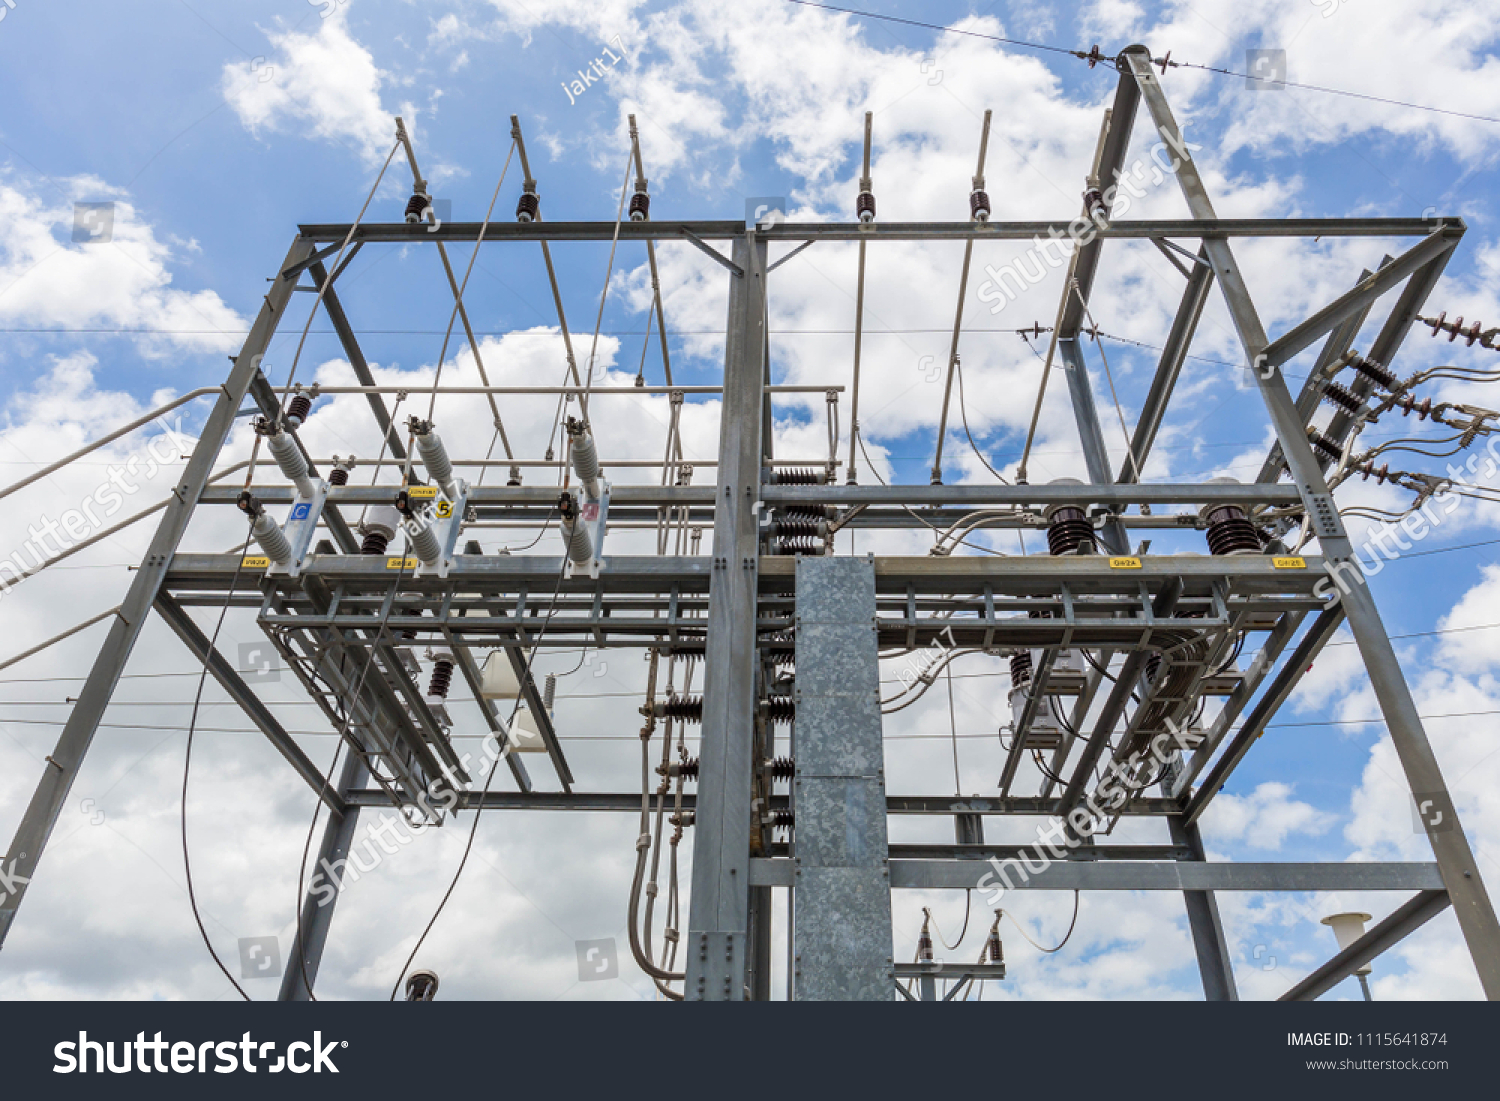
column 593, row 513
column 300, row 527
column 447, row 521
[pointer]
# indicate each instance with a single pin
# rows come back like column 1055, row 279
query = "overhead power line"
column 1093, row 57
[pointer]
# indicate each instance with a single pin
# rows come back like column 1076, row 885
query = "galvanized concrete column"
column 841, row 933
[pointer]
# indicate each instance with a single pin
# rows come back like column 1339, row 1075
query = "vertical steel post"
column 718, row 917
column 78, row 732
column 317, row 907
column 1209, row 944
column 1476, row 915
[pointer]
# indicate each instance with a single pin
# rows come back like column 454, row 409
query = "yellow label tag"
column 444, row 510
column 254, row 562
column 1289, row 563
column 1124, row 563
column 421, row 493
column 400, row 563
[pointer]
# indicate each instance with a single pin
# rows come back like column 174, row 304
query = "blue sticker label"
column 299, row 512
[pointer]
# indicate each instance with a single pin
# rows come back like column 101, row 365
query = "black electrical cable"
column 479, row 809
column 187, row 760
column 1067, row 937
column 1172, row 64
column 1239, row 646
column 935, row 27
column 968, row 908
column 347, row 718
column 1036, row 759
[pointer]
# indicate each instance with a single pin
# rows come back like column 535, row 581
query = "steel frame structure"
column 738, row 604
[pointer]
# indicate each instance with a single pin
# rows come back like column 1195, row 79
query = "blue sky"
column 217, row 128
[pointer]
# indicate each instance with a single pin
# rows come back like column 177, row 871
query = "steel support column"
column 1214, row 962
column 1476, row 915
column 317, row 907
column 78, row 732
column 718, row 917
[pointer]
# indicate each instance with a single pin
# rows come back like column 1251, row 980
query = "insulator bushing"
column 1230, row 532
column 272, row 539
column 297, row 410
column 1335, row 394
column 781, row 656
column 640, row 206
column 1377, row 372
column 795, row 476
column 979, row 206
column 864, row 206
column 549, row 692
column 781, row 710
column 424, row 539
column 688, row 769
column 1381, row 473
column 528, row 207
column 442, row 677
column 796, row 528
column 289, row 458
column 1093, row 202
column 434, row 456
column 1326, row 446
column 374, row 542
column 585, row 455
column 576, row 539
column 783, row 768
column 686, row 709
column 415, row 206
column 1070, row 532
column 1409, row 405
column 783, row 819
column 1020, row 668
column 800, row 546
column 338, row 476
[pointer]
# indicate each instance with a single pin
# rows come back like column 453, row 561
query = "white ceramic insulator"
column 289, row 457
column 272, row 539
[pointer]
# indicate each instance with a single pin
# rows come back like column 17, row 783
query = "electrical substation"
column 1152, row 632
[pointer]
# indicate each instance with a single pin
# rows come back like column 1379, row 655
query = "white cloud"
column 1264, row 818
column 49, row 281
column 326, row 81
